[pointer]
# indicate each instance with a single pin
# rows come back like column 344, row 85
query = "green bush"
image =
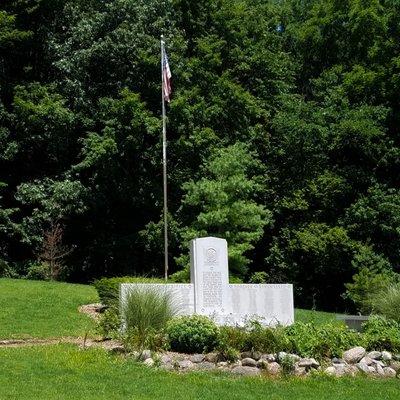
column 366, row 283
column 264, row 339
column 6, row 271
column 381, row 333
column 259, row 277
column 110, row 323
column 38, row 272
column 328, row 340
column 386, row 302
column 145, row 314
column 192, row 334
column 108, row 288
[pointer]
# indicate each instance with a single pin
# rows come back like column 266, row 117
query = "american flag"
column 166, row 78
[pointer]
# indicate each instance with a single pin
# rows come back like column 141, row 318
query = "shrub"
column 328, row 340
column 6, row 271
column 145, row 314
column 192, row 334
column 110, row 323
column 264, row 339
column 386, row 302
column 231, row 337
column 38, row 272
column 381, row 333
column 259, row 277
column 366, row 283
column 108, row 288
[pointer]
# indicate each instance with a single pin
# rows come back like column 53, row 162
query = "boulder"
column 245, row 371
column 363, row 367
column 145, row 354
column 308, row 363
column 299, row 371
column 330, row 371
column 186, row 364
column 211, row 357
column 389, row 372
column 206, row 365
column 249, row 362
column 268, row 357
column 149, row 362
column 375, row 355
column 354, row 355
column 386, row 356
column 273, row 368
column 197, row 358
column 367, row 360
column 164, row 359
column 395, row 365
column 380, row 370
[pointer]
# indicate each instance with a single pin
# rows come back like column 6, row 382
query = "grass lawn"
column 43, row 309
column 65, row 372
column 317, row 317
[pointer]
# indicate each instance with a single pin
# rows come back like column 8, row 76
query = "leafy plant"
column 381, row 333
column 145, row 314
column 108, row 288
column 386, row 301
column 192, row 334
column 110, row 323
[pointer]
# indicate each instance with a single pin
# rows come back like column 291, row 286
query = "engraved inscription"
column 212, row 289
column 210, row 257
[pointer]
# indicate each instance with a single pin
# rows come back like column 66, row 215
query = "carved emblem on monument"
column 211, row 257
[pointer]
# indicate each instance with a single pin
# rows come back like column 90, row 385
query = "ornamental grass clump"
column 386, row 302
column 145, row 314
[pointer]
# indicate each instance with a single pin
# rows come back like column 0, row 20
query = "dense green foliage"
column 192, row 334
column 283, row 136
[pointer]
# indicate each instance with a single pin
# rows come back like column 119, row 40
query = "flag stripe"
column 167, row 90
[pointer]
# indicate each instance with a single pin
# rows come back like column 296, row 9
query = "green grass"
column 317, row 317
column 43, row 309
column 66, row 373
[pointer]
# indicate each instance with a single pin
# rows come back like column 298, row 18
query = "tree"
column 226, row 203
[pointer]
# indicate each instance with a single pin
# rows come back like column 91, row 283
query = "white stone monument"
column 210, row 293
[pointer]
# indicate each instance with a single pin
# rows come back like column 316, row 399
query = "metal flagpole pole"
column 164, row 137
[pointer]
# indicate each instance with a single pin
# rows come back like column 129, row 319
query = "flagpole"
column 164, row 146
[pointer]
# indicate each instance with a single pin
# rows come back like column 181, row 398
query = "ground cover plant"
column 67, row 373
column 43, row 309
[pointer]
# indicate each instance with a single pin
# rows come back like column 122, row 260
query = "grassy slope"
column 43, row 309
column 317, row 317
column 66, row 373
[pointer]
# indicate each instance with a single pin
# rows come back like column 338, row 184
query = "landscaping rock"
column 372, row 370
column 308, row 363
column 145, row 354
column 380, row 370
column 377, row 362
column 299, row 371
column 249, row 362
column 386, row 356
column 268, row 357
column 206, row 365
column 263, row 364
column 197, row 358
column 363, row 367
column 367, row 360
column 354, row 355
column 165, row 359
column 211, row 357
column 375, row 355
column 149, row 362
column 222, row 364
column 396, row 357
column 331, row 371
column 340, row 369
column 281, row 355
column 246, row 371
column 186, row 364
column 389, row 372
column 395, row 365
column 167, row 367
column 273, row 368
column 246, row 354
column 336, row 360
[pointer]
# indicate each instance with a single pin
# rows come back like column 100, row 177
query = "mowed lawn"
column 43, row 309
column 64, row 372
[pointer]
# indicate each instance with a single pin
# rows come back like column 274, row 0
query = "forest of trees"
column 283, row 137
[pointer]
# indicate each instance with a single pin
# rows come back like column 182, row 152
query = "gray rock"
column 149, row 362
column 380, row 370
column 281, row 355
column 354, row 355
column 386, row 356
column 330, row 371
column 197, row 358
column 367, row 360
column 378, row 362
column 245, row 371
column 363, row 367
column 389, row 372
column 186, row 364
column 164, row 359
column 336, row 360
column 351, row 370
column 340, row 369
column 262, row 364
column 395, row 365
column 308, row 363
column 145, row 354
column 222, row 364
column 167, row 367
column 372, row 370
column 273, row 368
column 268, row 357
column 396, row 357
column 375, row 355
column 211, row 357
column 299, row 371
column 249, row 362
column 206, row 365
